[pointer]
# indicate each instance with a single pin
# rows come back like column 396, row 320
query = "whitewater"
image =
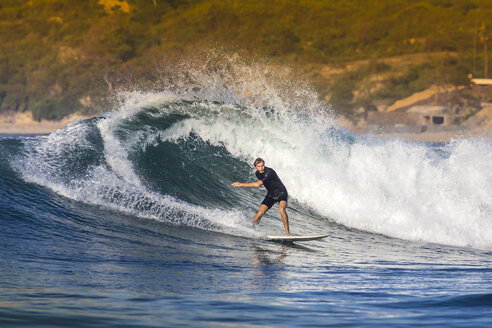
column 130, row 219
column 419, row 192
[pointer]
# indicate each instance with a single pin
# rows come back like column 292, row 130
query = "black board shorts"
column 269, row 201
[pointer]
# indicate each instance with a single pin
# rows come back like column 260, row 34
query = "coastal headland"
column 384, row 68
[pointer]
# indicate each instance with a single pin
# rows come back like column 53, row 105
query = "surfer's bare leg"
column 283, row 213
column 261, row 212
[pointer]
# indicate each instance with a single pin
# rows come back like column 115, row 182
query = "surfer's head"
column 259, row 164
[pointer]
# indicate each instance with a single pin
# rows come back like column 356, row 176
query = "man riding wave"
column 276, row 192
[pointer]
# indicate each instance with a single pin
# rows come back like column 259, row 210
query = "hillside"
column 60, row 57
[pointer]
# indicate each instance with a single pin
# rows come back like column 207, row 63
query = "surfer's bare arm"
column 255, row 184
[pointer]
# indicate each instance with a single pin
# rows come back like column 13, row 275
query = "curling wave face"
column 173, row 159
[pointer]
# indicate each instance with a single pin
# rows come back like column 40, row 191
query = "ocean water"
column 129, row 219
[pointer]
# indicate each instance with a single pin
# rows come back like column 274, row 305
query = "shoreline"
column 433, row 137
column 478, row 126
column 23, row 124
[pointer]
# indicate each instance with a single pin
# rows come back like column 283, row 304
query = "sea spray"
column 393, row 187
column 436, row 194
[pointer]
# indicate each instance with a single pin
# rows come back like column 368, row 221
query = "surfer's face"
column 260, row 167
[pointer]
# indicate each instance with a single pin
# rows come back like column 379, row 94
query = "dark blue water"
column 152, row 236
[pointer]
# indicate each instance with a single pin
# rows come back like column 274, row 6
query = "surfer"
column 276, row 192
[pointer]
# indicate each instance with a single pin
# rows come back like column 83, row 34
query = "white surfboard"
column 294, row 238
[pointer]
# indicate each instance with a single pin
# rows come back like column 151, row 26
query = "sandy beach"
column 479, row 126
column 437, row 137
column 23, row 123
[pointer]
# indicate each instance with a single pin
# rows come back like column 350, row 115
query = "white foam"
column 392, row 187
column 397, row 188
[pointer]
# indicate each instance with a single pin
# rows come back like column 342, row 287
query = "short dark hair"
column 257, row 161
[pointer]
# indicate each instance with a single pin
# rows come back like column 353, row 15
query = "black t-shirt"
column 272, row 183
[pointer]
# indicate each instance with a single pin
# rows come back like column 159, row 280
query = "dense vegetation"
column 60, row 56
